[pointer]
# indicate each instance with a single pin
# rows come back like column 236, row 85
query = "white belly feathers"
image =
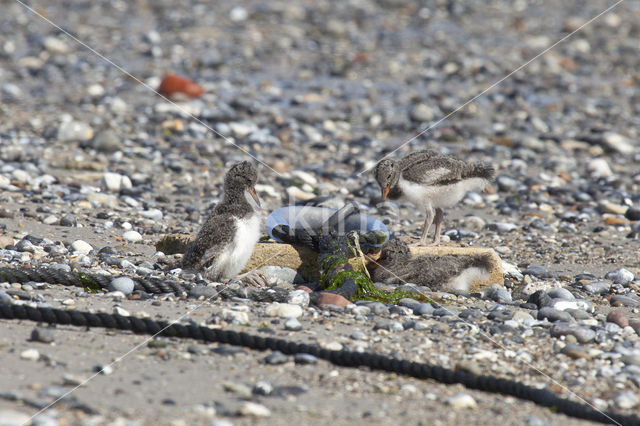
column 233, row 259
column 423, row 196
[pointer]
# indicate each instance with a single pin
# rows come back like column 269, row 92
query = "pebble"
column 582, row 334
column 68, row 220
column 30, row 355
column 575, row 351
column 125, row 285
column 74, row 131
column 276, row 358
column 132, row 236
column 292, row 324
column 620, row 300
column 279, row 274
column 80, row 246
column 13, row 418
column 283, row 310
column 121, row 311
column 305, row 359
column 115, row 182
column 254, row 409
column 618, row 317
column 627, row 400
column 461, row 401
column 298, row 297
column 42, row 335
column 620, row 276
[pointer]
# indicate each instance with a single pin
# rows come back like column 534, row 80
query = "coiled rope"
column 343, row 358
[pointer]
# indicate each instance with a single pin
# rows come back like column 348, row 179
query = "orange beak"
column 252, row 192
column 385, row 192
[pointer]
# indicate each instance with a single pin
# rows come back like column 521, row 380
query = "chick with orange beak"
column 227, row 239
column 431, row 181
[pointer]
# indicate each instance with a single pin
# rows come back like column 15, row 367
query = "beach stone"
column 618, row 317
column 620, row 276
column 582, row 334
column 30, row 355
column 553, row 315
column 132, row 236
column 42, row 335
column 74, row 131
column 461, row 401
column 279, row 273
column 325, row 298
column 106, row 141
column 627, row 400
column 115, row 182
column 632, row 213
column 254, row 409
column 283, row 310
column 122, row 284
column 68, row 220
column 292, row 324
column 13, row 418
column 621, row 300
column 298, row 297
column 80, row 246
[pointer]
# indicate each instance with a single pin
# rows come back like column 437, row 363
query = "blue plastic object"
column 310, row 217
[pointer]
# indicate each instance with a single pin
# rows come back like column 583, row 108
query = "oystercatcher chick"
column 431, row 181
column 227, row 239
column 440, row 273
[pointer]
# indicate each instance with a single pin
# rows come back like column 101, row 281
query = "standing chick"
column 431, row 181
column 227, row 239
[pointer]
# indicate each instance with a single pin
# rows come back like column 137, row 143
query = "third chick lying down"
column 439, row 273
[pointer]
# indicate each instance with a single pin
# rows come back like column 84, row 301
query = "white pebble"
column 598, row 167
column 120, row 311
column 254, row 409
column 132, row 236
column 80, row 246
column 298, row 297
column 114, row 182
column 461, row 401
column 30, row 355
column 283, row 310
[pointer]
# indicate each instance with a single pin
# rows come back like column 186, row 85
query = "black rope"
column 149, row 285
column 344, row 358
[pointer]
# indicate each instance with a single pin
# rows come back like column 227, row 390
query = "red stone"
column 173, row 84
column 325, row 298
column 304, row 288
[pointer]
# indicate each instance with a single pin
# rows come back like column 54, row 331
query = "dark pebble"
column 632, row 213
column 276, row 358
column 68, row 220
column 540, row 298
column 553, row 315
column 305, row 359
column 227, row 350
column 42, row 335
column 500, row 315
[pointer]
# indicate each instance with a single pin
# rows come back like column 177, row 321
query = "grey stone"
column 123, row 284
column 42, row 335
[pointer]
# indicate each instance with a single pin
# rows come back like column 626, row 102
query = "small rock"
column 298, row 297
column 80, row 246
column 292, row 324
column 421, row 113
column 132, row 236
column 276, row 358
column 283, row 310
column 122, row 284
column 13, row 418
column 326, row 298
column 254, row 409
column 30, row 355
column 598, row 167
column 121, row 311
column 42, row 335
column 461, row 401
column 627, row 400
column 74, row 131
column 632, row 213
column 575, row 351
column 106, row 141
column 115, row 182
column 618, row 316
column 279, row 273
column 68, row 220
column 620, row 276
column 305, row 359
